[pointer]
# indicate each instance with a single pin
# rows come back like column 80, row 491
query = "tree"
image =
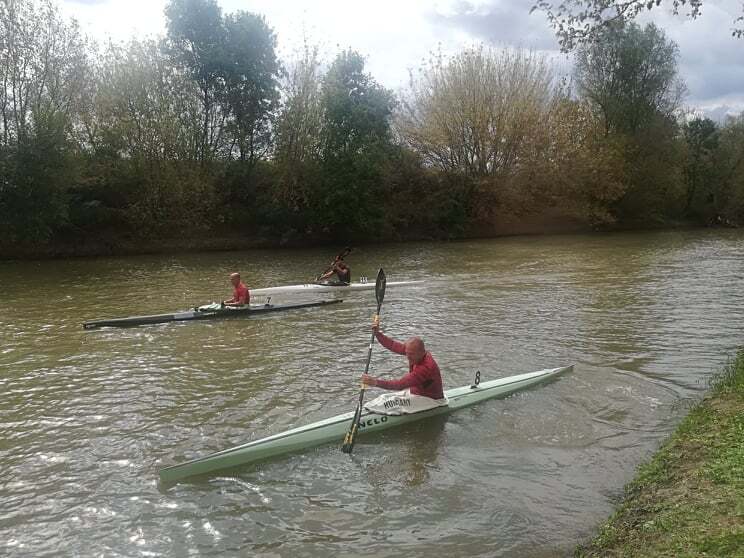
column 298, row 131
column 356, row 109
column 572, row 166
column 43, row 66
column 36, row 172
column 300, row 121
column 577, row 22
column 149, row 126
column 250, row 73
column 654, row 173
column 630, row 76
column 474, row 113
column 729, row 160
column 145, row 108
column 355, row 141
column 701, row 173
column 196, row 39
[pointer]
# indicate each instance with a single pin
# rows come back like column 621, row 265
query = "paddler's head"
column 235, row 279
column 415, row 350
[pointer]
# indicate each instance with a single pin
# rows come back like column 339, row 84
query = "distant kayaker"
column 342, row 271
column 241, row 296
column 423, row 376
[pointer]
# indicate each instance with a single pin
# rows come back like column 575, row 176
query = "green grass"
column 688, row 501
column 731, row 378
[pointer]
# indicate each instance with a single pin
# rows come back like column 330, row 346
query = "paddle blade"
column 380, row 287
column 349, row 439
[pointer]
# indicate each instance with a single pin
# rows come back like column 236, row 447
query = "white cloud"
column 116, row 19
column 396, row 35
column 711, row 60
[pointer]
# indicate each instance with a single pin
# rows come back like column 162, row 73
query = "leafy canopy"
column 630, row 75
column 580, row 21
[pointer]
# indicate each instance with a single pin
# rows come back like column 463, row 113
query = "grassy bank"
column 689, row 499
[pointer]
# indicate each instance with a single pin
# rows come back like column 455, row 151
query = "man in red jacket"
column 423, row 376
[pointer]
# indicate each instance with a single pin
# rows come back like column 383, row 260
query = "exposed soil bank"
column 689, row 499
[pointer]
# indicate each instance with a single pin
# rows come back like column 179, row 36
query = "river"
column 89, row 417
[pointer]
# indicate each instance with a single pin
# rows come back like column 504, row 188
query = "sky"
column 395, row 36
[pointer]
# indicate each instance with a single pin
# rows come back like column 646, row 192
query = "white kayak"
column 334, row 428
column 326, row 288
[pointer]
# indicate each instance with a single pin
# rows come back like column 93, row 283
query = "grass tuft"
column 731, row 378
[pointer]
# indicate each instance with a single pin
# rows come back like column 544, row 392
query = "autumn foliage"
column 206, row 131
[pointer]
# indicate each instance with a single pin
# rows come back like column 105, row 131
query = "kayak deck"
column 334, row 428
column 206, row 312
column 326, row 287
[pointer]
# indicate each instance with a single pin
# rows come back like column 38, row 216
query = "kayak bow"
column 333, row 428
column 206, row 312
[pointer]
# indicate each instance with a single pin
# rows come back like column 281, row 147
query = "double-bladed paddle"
column 338, row 258
column 351, row 434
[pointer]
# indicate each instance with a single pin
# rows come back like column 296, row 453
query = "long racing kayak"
column 206, row 312
column 334, row 428
column 326, row 287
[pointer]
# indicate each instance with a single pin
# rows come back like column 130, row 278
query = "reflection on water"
column 88, row 417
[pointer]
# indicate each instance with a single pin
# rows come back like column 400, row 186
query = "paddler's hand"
column 376, row 322
column 368, row 380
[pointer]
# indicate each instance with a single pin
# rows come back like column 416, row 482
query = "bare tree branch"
column 579, row 21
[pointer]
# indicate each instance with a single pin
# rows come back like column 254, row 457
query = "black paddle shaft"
column 351, row 434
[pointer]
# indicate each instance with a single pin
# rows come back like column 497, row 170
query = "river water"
column 89, row 417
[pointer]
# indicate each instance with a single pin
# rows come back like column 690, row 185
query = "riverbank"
column 112, row 244
column 689, row 499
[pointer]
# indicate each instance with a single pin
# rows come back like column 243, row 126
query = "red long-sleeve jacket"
column 423, row 378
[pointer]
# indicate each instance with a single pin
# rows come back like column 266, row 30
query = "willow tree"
column 475, row 112
column 630, row 77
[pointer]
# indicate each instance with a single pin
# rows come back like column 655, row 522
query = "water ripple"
column 88, row 417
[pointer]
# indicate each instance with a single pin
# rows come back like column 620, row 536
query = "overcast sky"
column 396, row 35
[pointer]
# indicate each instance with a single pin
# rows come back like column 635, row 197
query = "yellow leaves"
column 474, row 112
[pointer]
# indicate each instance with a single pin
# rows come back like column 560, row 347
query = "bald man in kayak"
column 423, row 376
column 241, row 296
